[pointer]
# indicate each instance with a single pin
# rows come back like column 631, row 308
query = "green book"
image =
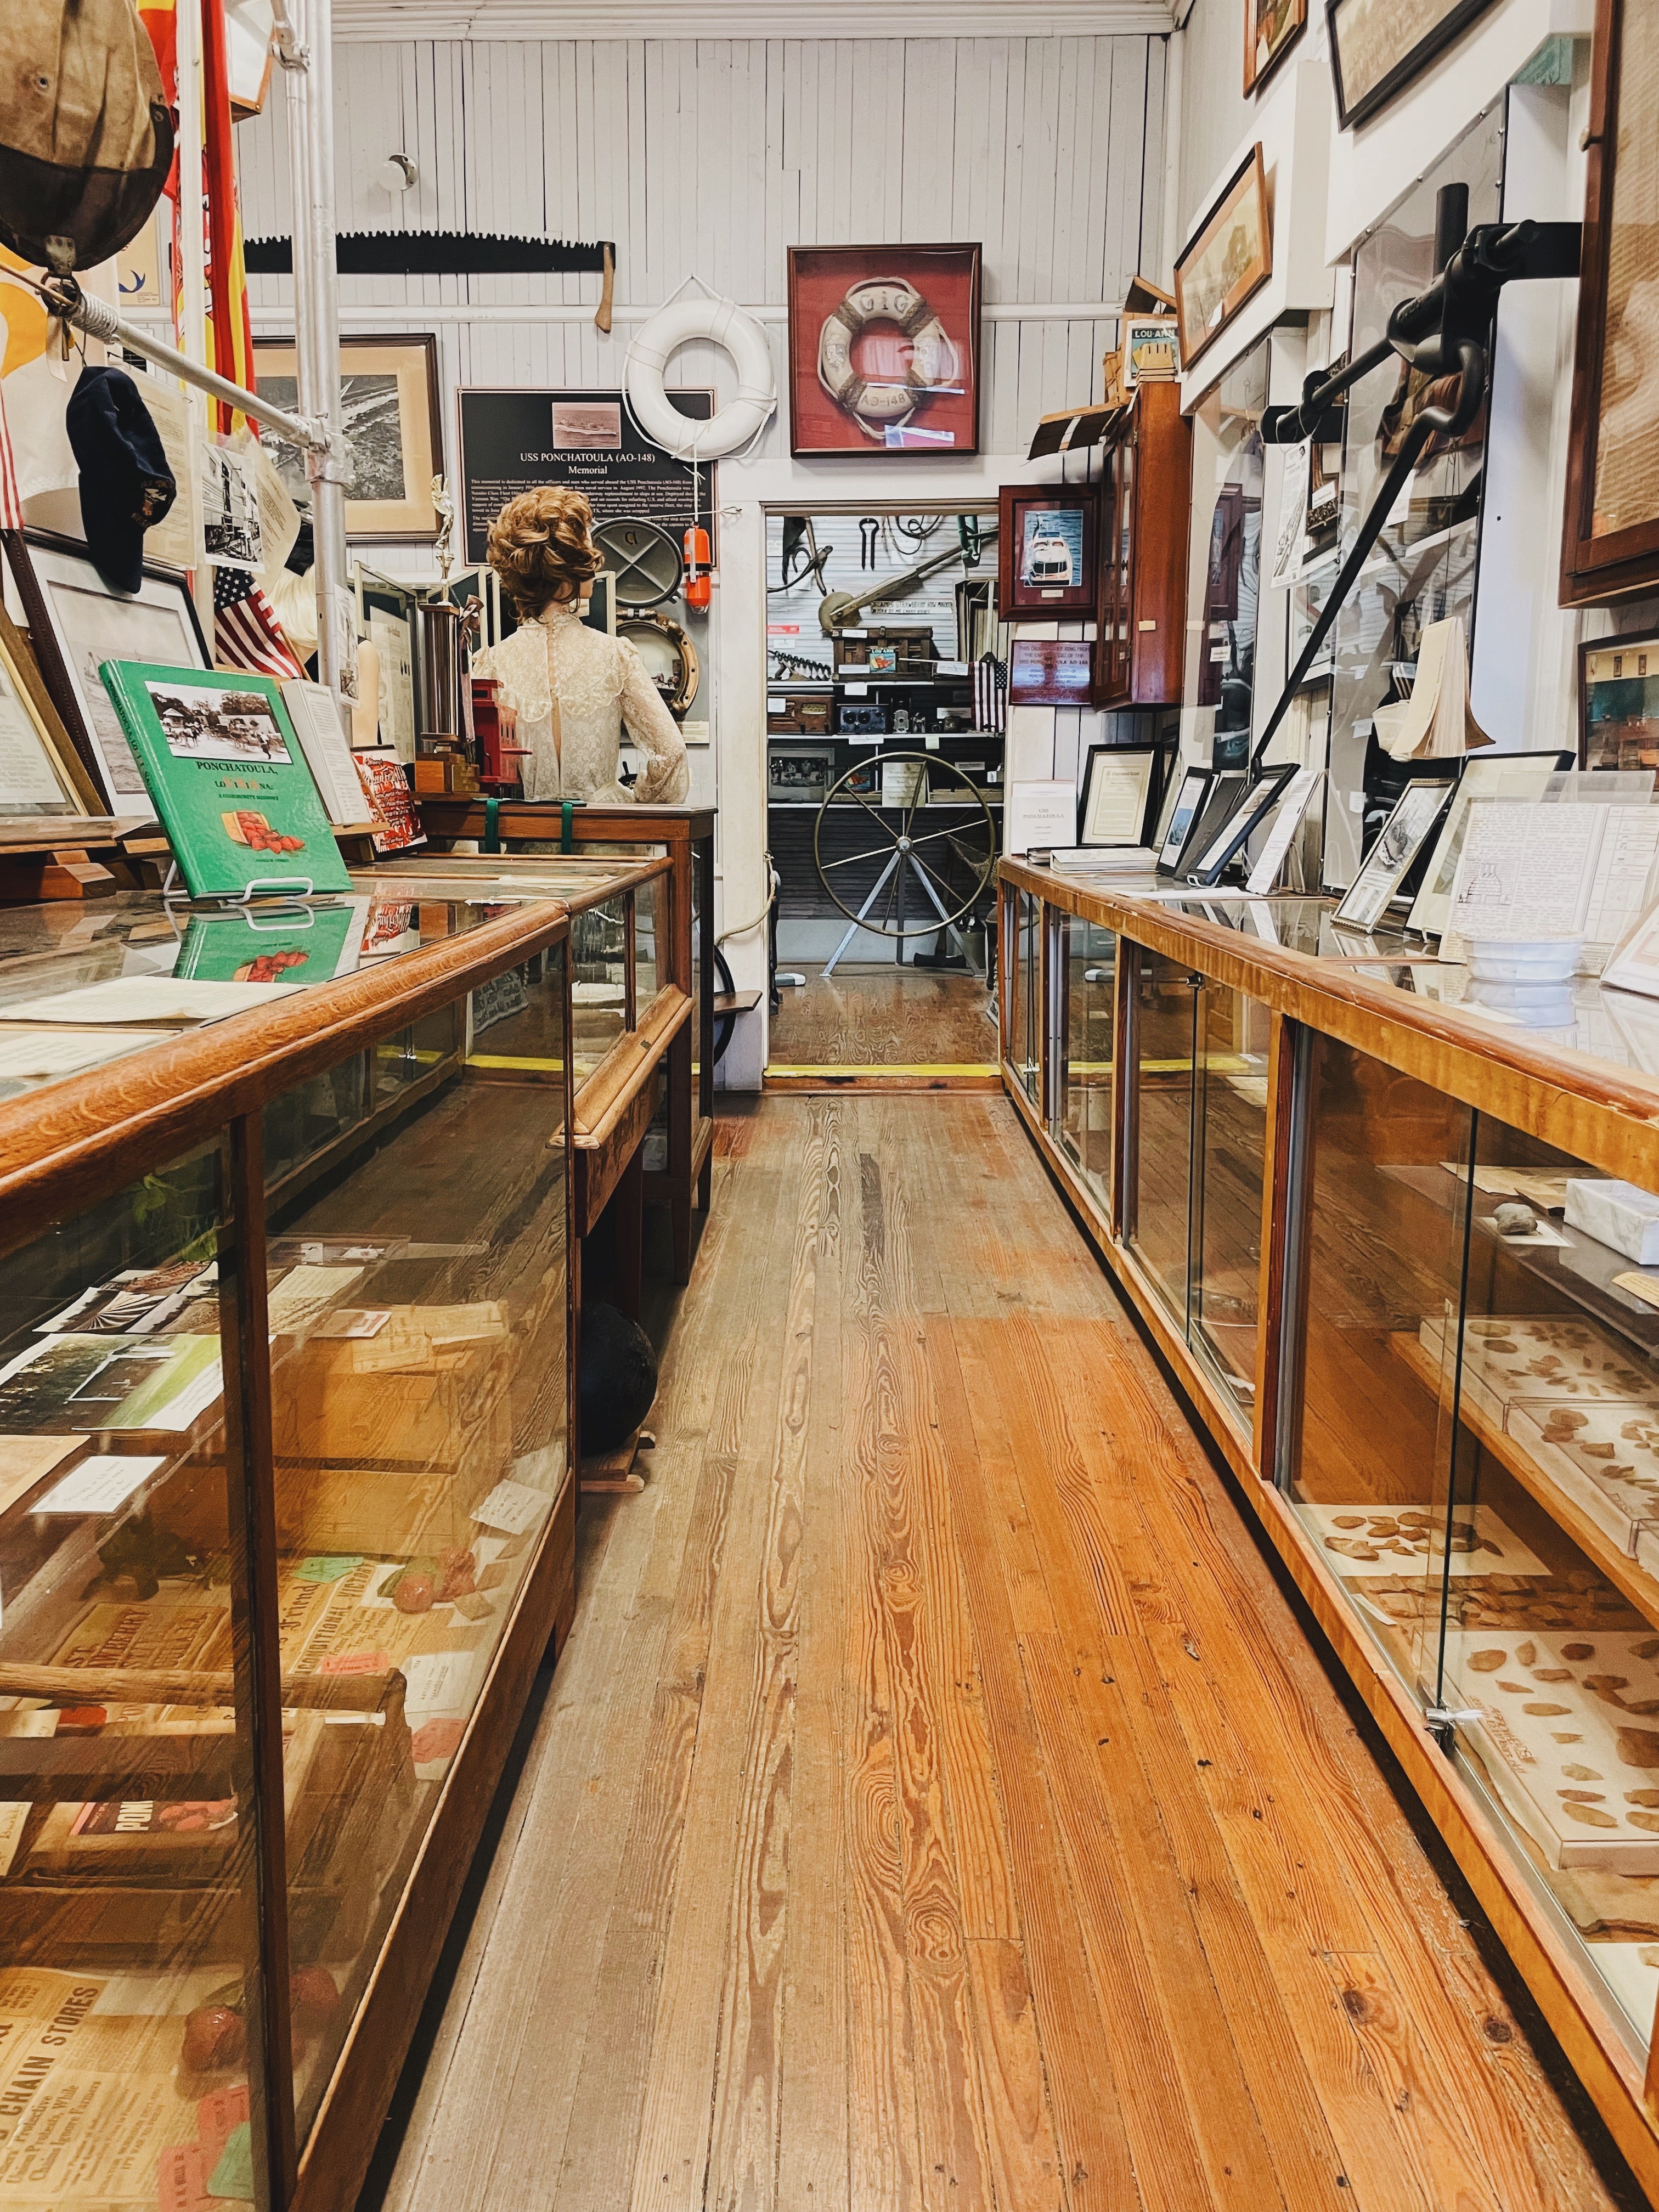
column 228, row 777
column 308, row 945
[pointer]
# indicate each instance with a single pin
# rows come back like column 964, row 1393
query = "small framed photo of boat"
column 883, row 349
column 1230, row 257
column 1047, row 552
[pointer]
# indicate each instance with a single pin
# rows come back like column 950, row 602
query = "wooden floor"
column 938, row 1803
column 884, row 1017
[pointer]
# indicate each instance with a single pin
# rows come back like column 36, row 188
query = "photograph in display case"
column 1271, row 27
column 1047, row 551
column 1119, row 800
column 883, row 349
column 1416, row 813
column 1610, row 544
column 41, row 772
column 1254, row 799
column 1619, row 702
column 1189, row 792
column 390, row 397
column 1377, row 47
column 1230, row 258
column 77, row 623
column 798, row 777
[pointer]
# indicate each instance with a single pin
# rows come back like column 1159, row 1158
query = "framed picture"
column 883, row 349
column 1119, row 802
column 40, row 771
column 77, row 623
column 1271, row 27
column 389, row 394
column 1481, row 775
column 1254, row 799
column 1378, row 46
column 1050, row 671
column 1230, row 258
column 797, row 778
column 386, row 616
column 1047, row 541
column 1618, row 702
column 1610, row 544
column 1416, row 815
column 1226, row 786
column 1188, row 792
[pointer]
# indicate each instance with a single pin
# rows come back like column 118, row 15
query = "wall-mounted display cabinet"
column 1145, row 497
column 287, row 1516
column 1447, row 1419
column 678, row 1148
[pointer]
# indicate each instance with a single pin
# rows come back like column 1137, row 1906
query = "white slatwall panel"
column 716, row 155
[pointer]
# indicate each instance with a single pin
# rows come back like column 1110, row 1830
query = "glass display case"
column 679, row 1147
column 1223, row 560
column 1402, row 1251
column 286, row 1516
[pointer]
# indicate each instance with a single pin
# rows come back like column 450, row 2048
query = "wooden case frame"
column 1598, row 568
column 1076, row 600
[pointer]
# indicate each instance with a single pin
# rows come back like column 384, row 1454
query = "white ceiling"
column 744, row 19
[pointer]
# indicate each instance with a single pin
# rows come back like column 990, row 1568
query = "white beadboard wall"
column 716, row 156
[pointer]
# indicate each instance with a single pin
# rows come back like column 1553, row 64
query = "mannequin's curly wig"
column 541, row 547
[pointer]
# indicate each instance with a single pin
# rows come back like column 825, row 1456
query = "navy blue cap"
column 126, row 482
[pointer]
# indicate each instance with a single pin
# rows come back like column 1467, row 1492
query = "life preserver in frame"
column 717, row 322
column 880, row 406
column 687, row 668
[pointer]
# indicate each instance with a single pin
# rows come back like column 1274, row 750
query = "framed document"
column 41, row 772
column 1484, row 775
column 1254, row 799
column 1416, row 815
column 1120, row 796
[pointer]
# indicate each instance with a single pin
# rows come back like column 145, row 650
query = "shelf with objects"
column 886, row 679
column 287, row 1519
column 1400, row 1253
column 631, row 1015
column 678, row 1153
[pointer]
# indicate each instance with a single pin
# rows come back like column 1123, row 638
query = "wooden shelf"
column 1594, row 1543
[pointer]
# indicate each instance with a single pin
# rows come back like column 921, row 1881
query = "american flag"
column 247, row 634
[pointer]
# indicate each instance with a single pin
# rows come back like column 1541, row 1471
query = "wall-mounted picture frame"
column 1618, row 702
column 1253, row 800
column 1047, row 552
column 390, row 395
column 1378, row 46
column 1117, row 803
column 883, row 349
column 1050, row 671
column 1228, row 258
column 77, row 623
column 41, row 772
column 1192, row 791
column 1610, row 540
column 1271, row 27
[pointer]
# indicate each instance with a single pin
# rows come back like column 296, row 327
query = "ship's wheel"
column 930, row 840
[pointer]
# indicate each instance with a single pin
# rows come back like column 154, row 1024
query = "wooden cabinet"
column 1146, row 494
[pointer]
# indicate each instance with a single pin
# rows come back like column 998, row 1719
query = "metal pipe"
column 98, row 320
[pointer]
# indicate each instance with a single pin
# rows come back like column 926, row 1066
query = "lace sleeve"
column 666, row 776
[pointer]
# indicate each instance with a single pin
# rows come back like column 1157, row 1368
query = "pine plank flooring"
column 883, row 1016
column 938, row 1803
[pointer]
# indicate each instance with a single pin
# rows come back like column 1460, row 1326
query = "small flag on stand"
column 247, row 634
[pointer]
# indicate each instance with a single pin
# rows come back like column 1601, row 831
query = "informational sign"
column 514, row 440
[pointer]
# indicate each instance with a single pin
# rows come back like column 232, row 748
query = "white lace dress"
column 600, row 682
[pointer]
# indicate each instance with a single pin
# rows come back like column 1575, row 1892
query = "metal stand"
column 284, row 887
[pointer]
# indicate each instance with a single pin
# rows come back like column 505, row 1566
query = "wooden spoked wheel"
column 930, row 871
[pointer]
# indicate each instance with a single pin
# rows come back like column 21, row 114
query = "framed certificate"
column 1120, row 796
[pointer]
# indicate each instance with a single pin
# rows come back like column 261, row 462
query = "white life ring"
column 878, row 407
column 719, row 322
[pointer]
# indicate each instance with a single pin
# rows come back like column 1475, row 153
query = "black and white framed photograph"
column 1118, row 803
column 77, row 623
column 1253, row 800
column 232, row 537
column 795, row 777
column 390, row 397
column 1378, row 46
column 1416, row 815
column 1190, row 789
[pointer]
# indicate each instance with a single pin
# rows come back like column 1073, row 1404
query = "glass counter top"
column 83, row 983
column 578, row 881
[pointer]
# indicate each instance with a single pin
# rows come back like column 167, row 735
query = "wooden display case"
column 1448, row 1428
column 1145, row 499
column 286, row 1513
column 686, row 836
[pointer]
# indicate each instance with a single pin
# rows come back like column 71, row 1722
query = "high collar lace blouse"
column 600, row 682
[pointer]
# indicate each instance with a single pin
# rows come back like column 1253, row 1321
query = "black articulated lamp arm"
column 1441, row 332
